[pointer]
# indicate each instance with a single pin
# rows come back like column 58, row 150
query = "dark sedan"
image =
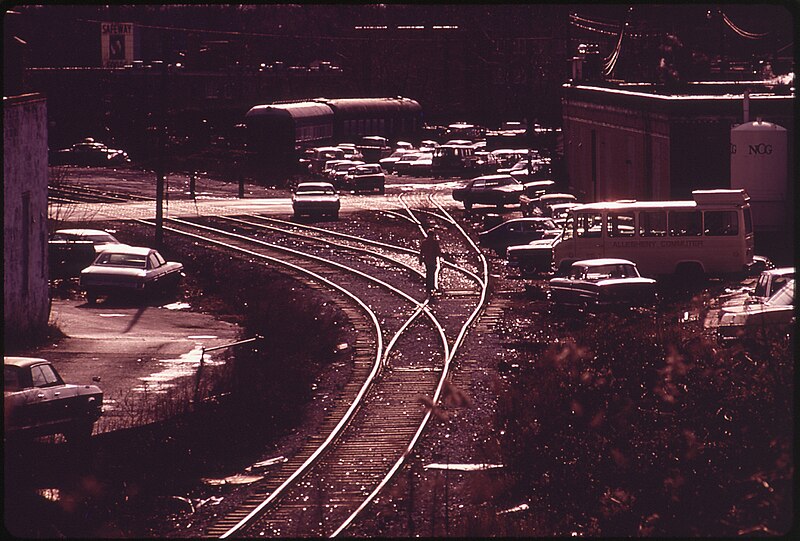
column 135, row 269
column 89, row 153
column 602, row 283
column 497, row 190
column 517, row 231
column 367, row 177
column 37, row 402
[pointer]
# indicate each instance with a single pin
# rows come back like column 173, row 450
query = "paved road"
column 140, row 353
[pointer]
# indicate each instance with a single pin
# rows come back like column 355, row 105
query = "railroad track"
column 405, row 345
column 84, row 194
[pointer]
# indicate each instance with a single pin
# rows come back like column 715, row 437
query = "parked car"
column 315, row 199
column 535, row 257
column 402, row 165
column 71, row 250
column 388, row 162
column 506, row 158
column 559, row 211
column 37, row 402
column 135, row 269
column 768, row 283
column 524, row 171
column 516, row 231
column 339, row 171
column 537, row 206
column 327, row 169
column 320, row 156
column 535, row 189
column 427, row 145
column 91, row 153
column 497, row 190
column 775, row 313
column 421, row 167
column 603, row 282
column 369, row 177
column 454, row 159
column 351, row 152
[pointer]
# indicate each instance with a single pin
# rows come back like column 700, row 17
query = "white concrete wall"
column 26, row 303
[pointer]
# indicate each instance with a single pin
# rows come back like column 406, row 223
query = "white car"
column 777, row 312
column 135, row 269
column 315, row 199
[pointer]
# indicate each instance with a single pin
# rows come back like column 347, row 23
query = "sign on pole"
column 116, row 42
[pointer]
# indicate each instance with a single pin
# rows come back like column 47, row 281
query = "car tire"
column 91, row 296
column 382, row 190
column 467, row 205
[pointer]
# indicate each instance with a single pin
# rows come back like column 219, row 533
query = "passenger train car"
column 278, row 133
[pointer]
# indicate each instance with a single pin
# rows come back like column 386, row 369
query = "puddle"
column 183, row 366
column 177, row 306
column 463, row 467
column 520, row 507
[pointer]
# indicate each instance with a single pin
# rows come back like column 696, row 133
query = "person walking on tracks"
column 429, row 253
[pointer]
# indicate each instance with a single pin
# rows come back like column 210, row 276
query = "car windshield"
column 122, row 260
column 367, row 170
column 784, row 297
column 603, row 272
column 315, row 190
column 503, row 181
column 101, row 238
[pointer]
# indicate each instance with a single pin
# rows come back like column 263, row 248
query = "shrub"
column 629, row 430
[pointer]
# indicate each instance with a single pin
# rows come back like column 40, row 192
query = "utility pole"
column 161, row 126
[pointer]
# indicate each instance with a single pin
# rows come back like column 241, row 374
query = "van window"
column 589, row 225
column 748, row 220
column 721, row 223
column 569, row 226
column 620, row 224
column 653, row 223
column 685, row 223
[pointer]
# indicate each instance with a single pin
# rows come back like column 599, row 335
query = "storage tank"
column 759, row 164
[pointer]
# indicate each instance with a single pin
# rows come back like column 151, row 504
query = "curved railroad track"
column 405, row 345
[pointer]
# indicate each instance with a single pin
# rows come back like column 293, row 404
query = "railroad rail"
column 406, row 343
column 84, row 194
